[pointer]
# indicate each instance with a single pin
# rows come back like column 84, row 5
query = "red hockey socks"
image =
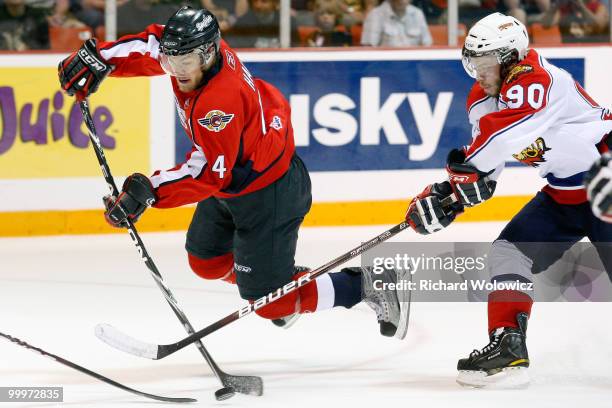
column 327, row 291
column 219, row 267
column 504, row 305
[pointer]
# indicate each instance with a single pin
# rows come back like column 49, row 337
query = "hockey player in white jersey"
column 521, row 108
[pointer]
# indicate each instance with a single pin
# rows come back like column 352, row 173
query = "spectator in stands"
column 354, row 11
column 395, row 23
column 579, row 20
column 303, row 12
column 471, row 11
column 22, row 27
column 434, row 10
column 134, row 15
column 226, row 11
column 259, row 27
column 59, row 14
column 91, row 12
column 526, row 11
column 328, row 34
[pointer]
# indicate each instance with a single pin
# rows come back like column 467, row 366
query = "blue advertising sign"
column 375, row 115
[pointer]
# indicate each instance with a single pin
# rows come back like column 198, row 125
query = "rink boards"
column 373, row 127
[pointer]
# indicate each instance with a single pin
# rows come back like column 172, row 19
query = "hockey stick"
column 91, row 373
column 250, row 385
column 157, row 352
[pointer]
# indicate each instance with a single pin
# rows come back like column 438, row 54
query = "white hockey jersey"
column 542, row 118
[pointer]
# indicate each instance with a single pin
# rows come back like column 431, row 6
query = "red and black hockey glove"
column 598, row 182
column 471, row 186
column 434, row 209
column 136, row 195
column 82, row 72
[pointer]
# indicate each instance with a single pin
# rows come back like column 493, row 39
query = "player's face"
column 326, row 19
column 188, row 69
column 487, row 73
column 190, row 81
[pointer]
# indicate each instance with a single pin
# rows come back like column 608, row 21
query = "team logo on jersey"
column 517, row 72
column 216, row 120
column 231, row 61
column 533, row 154
column 276, row 123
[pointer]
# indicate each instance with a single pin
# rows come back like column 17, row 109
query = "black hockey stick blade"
column 93, row 374
column 244, row 384
column 159, row 351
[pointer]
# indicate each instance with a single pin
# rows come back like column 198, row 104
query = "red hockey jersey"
column 239, row 126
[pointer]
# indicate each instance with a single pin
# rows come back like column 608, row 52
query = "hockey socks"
column 347, row 288
column 332, row 290
column 504, row 305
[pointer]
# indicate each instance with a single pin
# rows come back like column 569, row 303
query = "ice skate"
column 502, row 363
column 390, row 301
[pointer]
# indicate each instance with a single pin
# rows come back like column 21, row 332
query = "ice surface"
column 53, row 291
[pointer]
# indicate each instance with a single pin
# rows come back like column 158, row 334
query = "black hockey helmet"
column 190, row 40
column 189, row 29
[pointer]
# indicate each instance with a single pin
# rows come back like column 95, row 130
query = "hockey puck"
column 224, row 393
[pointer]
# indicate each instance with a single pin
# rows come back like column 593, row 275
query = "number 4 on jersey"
column 219, row 166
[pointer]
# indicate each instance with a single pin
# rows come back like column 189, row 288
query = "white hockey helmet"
column 498, row 35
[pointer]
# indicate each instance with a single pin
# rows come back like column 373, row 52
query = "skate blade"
column 403, row 296
column 508, row 378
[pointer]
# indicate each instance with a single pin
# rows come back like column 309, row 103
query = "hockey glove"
column 598, row 182
column 83, row 71
column 434, row 209
column 137, row 194
column 471, row 186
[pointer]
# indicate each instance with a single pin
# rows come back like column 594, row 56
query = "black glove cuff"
column 456, row 162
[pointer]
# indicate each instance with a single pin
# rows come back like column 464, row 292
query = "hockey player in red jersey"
column 522, row 108
column 252, row 189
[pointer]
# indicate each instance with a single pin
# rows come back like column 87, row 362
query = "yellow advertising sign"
column 43, row 135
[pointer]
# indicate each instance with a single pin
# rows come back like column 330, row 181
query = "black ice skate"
column 391, row 302
column 288, row 321
column 502, row 363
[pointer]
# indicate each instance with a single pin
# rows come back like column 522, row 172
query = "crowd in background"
column 34, row 24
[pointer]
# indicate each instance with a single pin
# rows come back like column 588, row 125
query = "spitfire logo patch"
column 533, row 155
column 276, row 123
column 517, row 72
column 216, row 120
